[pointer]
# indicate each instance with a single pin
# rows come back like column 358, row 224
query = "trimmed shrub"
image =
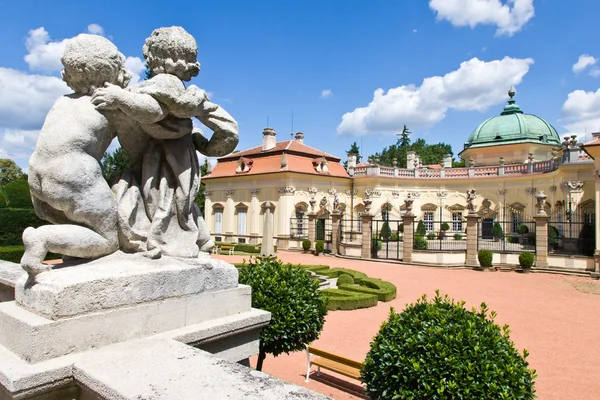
column 522, row 229
column 485, row 258
column 420, row 243
column 306, row 245
column 314, row 268
column 552, row 237
column 445, row 227
column 14, row 254
column 440, row 350
column 385, row 231
column 336, row 272
column 343, row 300
column 345, row 279
column 394, row 237
column 513, row 239
column 457, row 236
column 401, row 228
column 16, row 194
column 497, row 230
column 296, row 305
column 526, row 260
column 421, row 230
column 376, row 244
column 319, row 246
column 13, row 222
column 431, row 236
column 385, row 291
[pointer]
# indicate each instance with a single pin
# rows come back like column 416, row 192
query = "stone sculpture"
column 471, row 195
column 153, row 212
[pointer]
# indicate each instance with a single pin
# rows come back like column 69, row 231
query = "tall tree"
column 355, row 150
column 404, row 137
column 9, row 171
column 113, row 163
column 200, row 197
column 429, row 153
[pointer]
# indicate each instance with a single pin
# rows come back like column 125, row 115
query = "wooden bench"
column 332, row 362
column 230, row 247
column 216, row 249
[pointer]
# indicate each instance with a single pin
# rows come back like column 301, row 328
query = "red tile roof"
column 287, row 146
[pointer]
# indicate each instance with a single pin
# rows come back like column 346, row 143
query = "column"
column 254, row 215
column 541, row 240
column 286, row 194
column 367, row 234
column 312, row 229
column 472, row 233
column 408, row 219
column 207, row 212
column 228, row 216
column 336, row 217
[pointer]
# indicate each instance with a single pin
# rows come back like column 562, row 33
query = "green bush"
column 14, row 221
column 241, row 247
column 336, row 272
column 376, row 244
column 319, row 246
column 314, row 268
column 385, row 291
column 385, row 233
column 420, row 243
column 552, row 237
column 16, row 194
column 14, row 254
column 343, row 300
column 440, row 350
column 345, row 279
column 526, row 260
column 296, row 305
column 421, row 230
column 431, row 236
column 497, row 230
column 306, row 245
column 513, row 239
column 457, row 236
column 522, row 229
column 445, row 227
column 485, row 258
column 401, row 228
column 394, row 237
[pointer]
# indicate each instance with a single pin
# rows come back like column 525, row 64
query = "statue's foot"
column 207, row 247
column 35, row 252
column 153, row 254
column 34, row 268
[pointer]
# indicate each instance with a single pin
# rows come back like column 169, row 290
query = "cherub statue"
column 470, row 197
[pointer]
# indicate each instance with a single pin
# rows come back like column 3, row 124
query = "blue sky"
column 347, row 70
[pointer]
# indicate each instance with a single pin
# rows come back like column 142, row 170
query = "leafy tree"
column 404, row 137
column 429, row 153
column 15, row 194
column 385, row 232
column 296, row 305
column 113, row 163
column 355, row 150
column 201, row 197
column 497, row 230
column 459, row 164
column 440, row 350
column 421, row 230
column 9, row 171
column 147, row 72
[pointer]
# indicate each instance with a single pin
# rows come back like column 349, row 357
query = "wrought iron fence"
column 387, row 239
column 440, row 235
column 299, row 228
column 350, row 230
column 323, row 229
column 571, row 238
column 506, row 236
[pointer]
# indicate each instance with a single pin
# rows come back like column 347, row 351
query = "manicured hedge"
column 385, row 291
column 14, row 254
column 17, row 195
column 336, row 272
column 13, row 222
column 342, row 300
column 345, row 279
column 314, row 268
column 241, row 247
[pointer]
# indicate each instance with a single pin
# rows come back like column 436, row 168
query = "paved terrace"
column 550, row 315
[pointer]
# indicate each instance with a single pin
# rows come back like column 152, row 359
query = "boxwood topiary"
column 319, row 246
column 513, row 239
column 457, row 236
column 421, row 230
column 420, row 243
column 336, row 272
column 385, row 291
column 552, row 237
column 526, row 260
column 343, row 300
column 440, row 350
column 522, row 229
column 497, row 230
column 444, row 227
column 306, row 245
column 431, row 236
column 485, row 258
column 345, row 279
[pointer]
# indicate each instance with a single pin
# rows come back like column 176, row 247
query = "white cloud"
column 595, row 72
column 583, row 62
column 415, row 31
column 581, row 112
column 26, row 99
column 44, row 55
column 476, row 85
column 17, row 144
column 136, row 67
column 509, row 16
column 95, row 29
column 326, row 93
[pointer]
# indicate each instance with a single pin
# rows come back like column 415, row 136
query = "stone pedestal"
column 312, row 229
column 336, row 218
column 408, row 219
column 367, row 235
column 70, row 312
column 472, row 234
column 541, row 241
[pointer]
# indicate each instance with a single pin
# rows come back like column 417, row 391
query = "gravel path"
column 553, row 316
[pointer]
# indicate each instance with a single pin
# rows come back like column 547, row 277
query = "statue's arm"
column 225, row 131
column 141, row 107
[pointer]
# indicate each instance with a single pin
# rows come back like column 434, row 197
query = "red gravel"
column 557, row 323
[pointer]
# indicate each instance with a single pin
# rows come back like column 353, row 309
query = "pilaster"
column 367, row 235
column 408, row 219
column 472, row 234
column 336, row 217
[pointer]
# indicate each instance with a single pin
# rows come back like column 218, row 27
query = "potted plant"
column 306, row 245
column 497, row 232
column 522, row 230
column 443, row 228
column 485, row 258
column 526, row 261
column 319, row 247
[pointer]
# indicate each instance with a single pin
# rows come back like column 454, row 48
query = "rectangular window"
column 219, row 221
column 428, row 221
column 241, row 240
column 516, row 221
column 241, row 222
column 359, row 222
column 300, row 223
column 457, row 221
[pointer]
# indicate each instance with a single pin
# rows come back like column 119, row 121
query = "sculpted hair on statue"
column 90, row 61
column 172, row 51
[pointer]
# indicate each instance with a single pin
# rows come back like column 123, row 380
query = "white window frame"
column 219, row 221
column 242, row 217
column 457, row 222
column 428, row 221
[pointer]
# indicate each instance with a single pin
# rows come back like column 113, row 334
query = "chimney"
column 269, row 139
column 448, row 161
column 299, row 137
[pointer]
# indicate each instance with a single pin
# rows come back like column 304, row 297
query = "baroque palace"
column 516, row 163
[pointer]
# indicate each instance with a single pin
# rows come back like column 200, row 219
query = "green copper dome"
column 513, row 126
